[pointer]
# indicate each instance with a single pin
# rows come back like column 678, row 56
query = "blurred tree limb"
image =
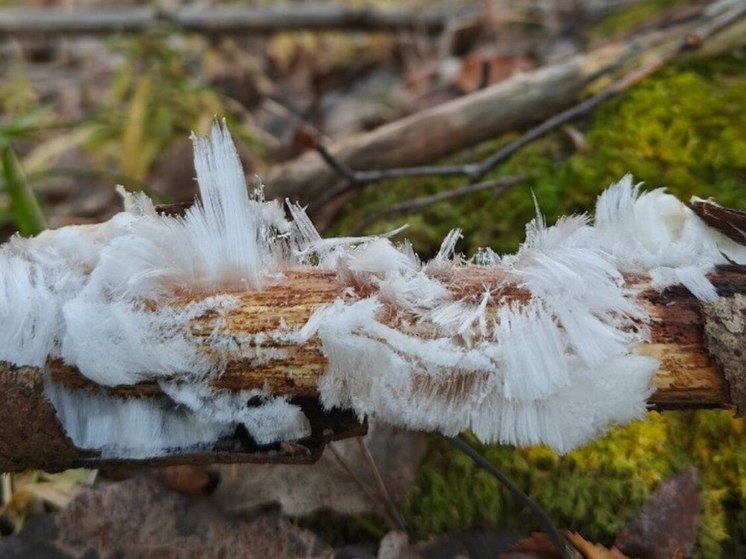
column 220, row 19
column 404, row 147
column 242, row 19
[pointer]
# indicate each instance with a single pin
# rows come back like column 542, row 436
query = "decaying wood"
column 730, row 222
column 524, row 99
column 697, row 370
column 688, row 376
column 31, row 433
column 242, row 19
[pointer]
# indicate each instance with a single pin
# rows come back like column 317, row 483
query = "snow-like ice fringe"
column 558, row 369
column 103, row 298
column 558, row 366
column 197, row 417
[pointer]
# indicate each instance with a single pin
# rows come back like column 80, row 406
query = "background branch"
column 499, row 186
column 401, row 148
column 235, row 19
column 221, row 19
column 476, row 171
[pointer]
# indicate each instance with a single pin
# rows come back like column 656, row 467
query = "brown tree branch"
column 402, row 148
column 220, row 19
column 499, row 186
column 693, row 372
column 237, row 19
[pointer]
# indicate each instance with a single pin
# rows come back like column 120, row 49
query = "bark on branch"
column 700, row 367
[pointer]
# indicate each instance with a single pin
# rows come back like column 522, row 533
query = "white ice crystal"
column 654, row 233
column 105, row 299
column 557, row 365
column 557, row 369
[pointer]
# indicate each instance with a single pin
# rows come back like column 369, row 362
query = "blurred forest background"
column 81, row 113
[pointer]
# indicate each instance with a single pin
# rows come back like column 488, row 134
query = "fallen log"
column 688, row 377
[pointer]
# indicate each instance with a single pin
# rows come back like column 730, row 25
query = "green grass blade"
column 22, row 126
column 24, row 206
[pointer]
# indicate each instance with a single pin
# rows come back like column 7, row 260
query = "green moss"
column 715, row 444
column 338, row 529
column 595, row 490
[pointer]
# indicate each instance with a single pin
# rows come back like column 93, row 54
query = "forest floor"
column 80, row 114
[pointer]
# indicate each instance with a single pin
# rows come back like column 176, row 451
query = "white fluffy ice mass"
column 557, row 367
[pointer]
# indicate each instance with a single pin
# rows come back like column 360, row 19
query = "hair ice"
column 557, row 366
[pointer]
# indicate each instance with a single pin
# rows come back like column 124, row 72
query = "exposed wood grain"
column 687, row 377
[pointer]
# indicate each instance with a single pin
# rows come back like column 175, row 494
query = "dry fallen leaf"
column 189, row 479
column 139, row 517
column 539, row 546
column 535, row 546
column 591, row 550
column 668, row 523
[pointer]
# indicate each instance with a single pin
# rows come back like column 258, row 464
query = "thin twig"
column 564, row 548
column 357, row 177
column 500, row 186
column 275, row 106
column 347, row 172
column 353, row 177
column 393, row 510
column 393, row 524
column 340, row 187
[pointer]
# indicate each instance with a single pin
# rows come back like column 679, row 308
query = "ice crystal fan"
column 157, row 335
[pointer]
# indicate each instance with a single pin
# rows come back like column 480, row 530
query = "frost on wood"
column 546, row 351
column 100, row 297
